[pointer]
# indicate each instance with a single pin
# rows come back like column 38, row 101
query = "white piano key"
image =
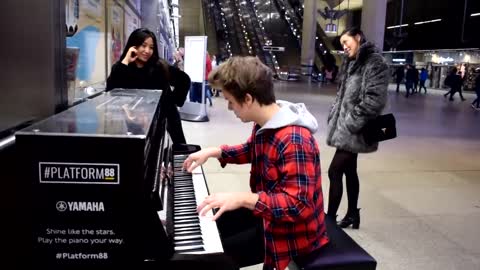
column 184, row 225
column 182, row 248
column 185, row 217
column 186, row 237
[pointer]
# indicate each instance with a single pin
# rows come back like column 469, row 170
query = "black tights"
column 343, row 162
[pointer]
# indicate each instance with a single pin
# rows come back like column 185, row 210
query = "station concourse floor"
column 419, row 194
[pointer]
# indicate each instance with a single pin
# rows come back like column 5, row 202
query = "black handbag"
column 380, row 129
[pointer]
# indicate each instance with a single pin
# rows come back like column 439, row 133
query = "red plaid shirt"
column 286, row 175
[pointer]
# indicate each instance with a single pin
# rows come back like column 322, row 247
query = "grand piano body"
column 107, row 189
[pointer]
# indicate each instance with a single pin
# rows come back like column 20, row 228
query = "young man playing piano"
column 282, row 218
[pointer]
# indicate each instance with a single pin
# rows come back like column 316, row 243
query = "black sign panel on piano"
column 94, row 171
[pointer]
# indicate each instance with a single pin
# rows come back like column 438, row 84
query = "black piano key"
column 184, row 195
column 184, row 190
column 187, row 233
column 186, row 184
column 184, row 218
column 182, row 211
column 182, row 175
column 187, row 229
column 182, row 181
column 183, row 199
column 189, row 202
column 188, row 243
column 196, row 249
column 187, row 221
column 180, row 208
column 185, row 212
column 181, row 184
column 188, row 191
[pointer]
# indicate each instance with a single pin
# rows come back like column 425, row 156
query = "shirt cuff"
column 260, row 206
column 223, row 156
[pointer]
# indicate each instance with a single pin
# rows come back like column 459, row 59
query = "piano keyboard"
column 192, row 234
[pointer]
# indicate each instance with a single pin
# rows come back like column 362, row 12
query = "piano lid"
column 120, row 112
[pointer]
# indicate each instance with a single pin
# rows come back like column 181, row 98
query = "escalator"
column 257, row 34
column 238, row 30
column 278, row 33
column 323, row 45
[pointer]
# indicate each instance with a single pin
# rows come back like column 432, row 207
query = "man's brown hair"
column 240, row 76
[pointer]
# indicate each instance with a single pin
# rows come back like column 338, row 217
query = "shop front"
column 438, row 64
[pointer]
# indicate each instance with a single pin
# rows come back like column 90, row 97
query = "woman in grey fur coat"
column 362, row 94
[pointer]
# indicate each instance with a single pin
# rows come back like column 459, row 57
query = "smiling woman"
column 140, row 67
column 361, row 97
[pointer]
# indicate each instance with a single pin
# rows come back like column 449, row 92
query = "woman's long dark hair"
column 353, row 31
column 137, row 38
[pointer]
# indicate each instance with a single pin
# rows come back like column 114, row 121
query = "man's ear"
column 248, row 100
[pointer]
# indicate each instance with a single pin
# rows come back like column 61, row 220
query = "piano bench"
column 341, row 253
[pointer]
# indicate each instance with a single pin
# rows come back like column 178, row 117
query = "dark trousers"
column 343, row 162
column 398, row 85
column 477, row 100
column 208, row 93
column 196, row 92
column 408, row 87
column 453, row 91
column 422, row 85
column 242, row 237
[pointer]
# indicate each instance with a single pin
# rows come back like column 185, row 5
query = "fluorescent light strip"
column 397, row 26
column 475, row 14
column 431, row 21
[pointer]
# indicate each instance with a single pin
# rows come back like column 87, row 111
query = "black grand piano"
column 108, row 189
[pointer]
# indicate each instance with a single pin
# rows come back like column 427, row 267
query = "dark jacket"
column 477, row 83
column 160, row 76
column 412, row 75
column 361, row 96
column 399, row 74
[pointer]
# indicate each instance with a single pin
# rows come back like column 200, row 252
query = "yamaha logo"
column 63, row 206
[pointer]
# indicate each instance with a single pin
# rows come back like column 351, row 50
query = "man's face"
column 239, row 109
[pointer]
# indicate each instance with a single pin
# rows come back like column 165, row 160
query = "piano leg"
column 242, row 237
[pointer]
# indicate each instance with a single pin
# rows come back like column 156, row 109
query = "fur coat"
column 361, row 96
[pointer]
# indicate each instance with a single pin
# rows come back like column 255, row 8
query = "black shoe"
column 351, row 219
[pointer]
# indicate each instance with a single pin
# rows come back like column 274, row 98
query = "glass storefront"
column 102, row 29
column 438, row 64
